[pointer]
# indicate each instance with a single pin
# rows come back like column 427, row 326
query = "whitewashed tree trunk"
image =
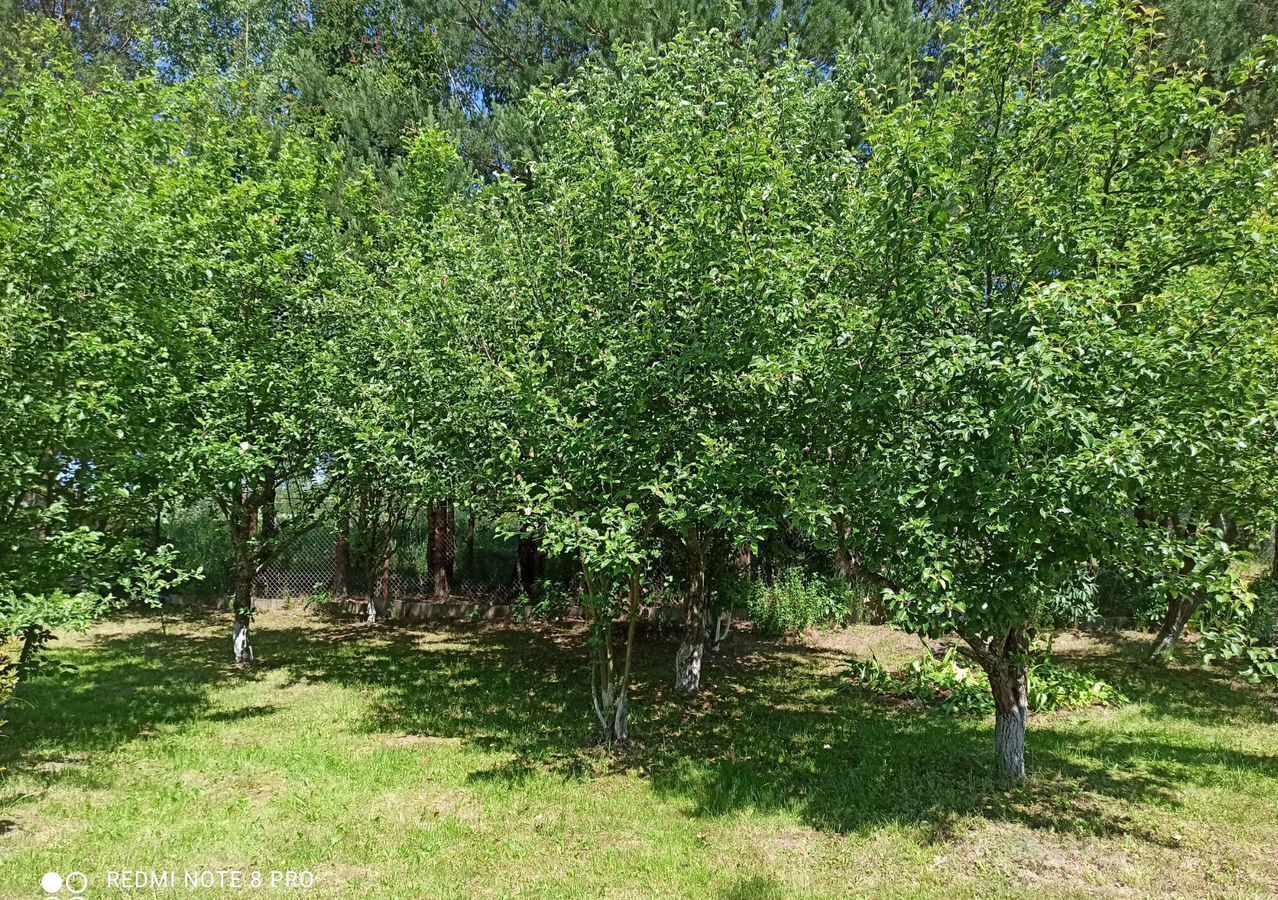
column 692, row 649
column 609, row 693
column 240, row 641
column 722, row 628
column 688, row 668
column 605, row 693
column 243, row 617
column 1006, row 665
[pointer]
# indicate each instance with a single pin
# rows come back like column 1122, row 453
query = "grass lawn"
column 454, row 762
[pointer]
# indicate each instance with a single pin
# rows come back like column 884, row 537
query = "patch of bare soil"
column 1051, row 863
column 858, row 642
column 790, row 841
column 428, row 804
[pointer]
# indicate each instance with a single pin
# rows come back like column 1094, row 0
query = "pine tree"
column 493, row 54
column 1216, row 35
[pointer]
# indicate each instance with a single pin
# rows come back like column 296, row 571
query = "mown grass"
column 456, row 762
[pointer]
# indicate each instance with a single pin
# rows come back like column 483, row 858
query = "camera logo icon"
column 74, row 883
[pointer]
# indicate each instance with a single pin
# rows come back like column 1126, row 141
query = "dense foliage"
column 86, row 407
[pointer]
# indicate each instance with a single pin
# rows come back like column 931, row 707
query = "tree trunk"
column 621, row 721
column 157, row 530
column 379, row 589
column 1229, row 529
column 450, row 545
column 470, row 539
column 386, row 568
column 1273, row 543
column 722, row 628
column 603, row 685
column 441, row 551
column 243, row 519
column 1011, row 705
column 1179, row 612
column 243, row 615
column 530, row 565
column 1006, row 665
column 847, row 562
column 610, row 694
column 12, row 675
column 32, row 637
column 342, row 556
column 692, row 648
column 268, row 529
column 745, row 562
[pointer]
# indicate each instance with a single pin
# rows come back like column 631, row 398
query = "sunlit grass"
column 457, row 762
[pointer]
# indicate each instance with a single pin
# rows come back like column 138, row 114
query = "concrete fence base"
column 462, row 610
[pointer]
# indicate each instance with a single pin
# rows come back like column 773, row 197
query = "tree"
column 1046, row 208
column 270, row 287
column 403, row 443
column 87, row 390
column 660, row 254
column 1214, row 37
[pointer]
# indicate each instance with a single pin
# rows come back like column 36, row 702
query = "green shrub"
column 1125, row 594
column 957, row 689
column 1241, row 632
column 1052, row 687
column 796, row 601
column 200, row 539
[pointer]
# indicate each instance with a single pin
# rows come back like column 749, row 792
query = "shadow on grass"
column 776, row 729
column 89, row 700
column 1179, row 689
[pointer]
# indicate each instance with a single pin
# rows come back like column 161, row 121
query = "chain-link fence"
column 448, row 552
column 432, row 553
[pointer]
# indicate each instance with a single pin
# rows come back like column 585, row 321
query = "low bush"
column 797, row 601
column 201, row 541
column 957, row 689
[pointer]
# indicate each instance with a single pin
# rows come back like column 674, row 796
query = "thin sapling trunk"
column 610, row 690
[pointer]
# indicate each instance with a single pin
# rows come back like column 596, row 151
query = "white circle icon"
column 51, row 882
column 83, row 882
